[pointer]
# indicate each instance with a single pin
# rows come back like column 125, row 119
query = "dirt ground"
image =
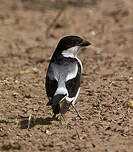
column 29, row 33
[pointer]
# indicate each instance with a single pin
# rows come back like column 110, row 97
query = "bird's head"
column 70, row 45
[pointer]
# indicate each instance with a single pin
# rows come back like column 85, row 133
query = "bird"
column 64, row 75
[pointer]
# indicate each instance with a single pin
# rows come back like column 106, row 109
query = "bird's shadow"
column 24, row 122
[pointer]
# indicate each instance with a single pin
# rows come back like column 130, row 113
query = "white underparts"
column 72, row 74
column 61, row 90
column 73, row 99
column 68, row 99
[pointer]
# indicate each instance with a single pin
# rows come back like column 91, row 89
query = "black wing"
column 74, row 84
column 51, row 86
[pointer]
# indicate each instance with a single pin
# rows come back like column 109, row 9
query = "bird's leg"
column 54, row 116
column 63, row 116
column 79, row 115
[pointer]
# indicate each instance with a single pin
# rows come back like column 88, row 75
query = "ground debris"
column 130, row 104
column 48, row 132
column 30, row 70
column 13, row 146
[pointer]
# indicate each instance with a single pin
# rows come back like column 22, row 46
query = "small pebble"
column 93, row 33
column 27, row 96
column 6, row 81
column 14, row 94
column 16, row 81
column 84, row 136
column 48, row 132
column 131, row 78
column 36, row 70
column 130, row 104
column 98, row 51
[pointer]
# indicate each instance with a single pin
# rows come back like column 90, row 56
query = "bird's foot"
column 82, row 117
column 78, row 114
column 63, row 116
column 55, row 117
column 60, row 117
column 79, row 117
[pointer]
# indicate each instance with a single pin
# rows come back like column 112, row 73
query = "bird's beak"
column 85, row 43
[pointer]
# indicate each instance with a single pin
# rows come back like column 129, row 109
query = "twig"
column 55, row 20
column 29, row 122
column 77, row 133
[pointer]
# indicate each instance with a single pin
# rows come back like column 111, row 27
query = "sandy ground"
column 26, row 45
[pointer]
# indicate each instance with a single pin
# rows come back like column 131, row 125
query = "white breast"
column 72, row 74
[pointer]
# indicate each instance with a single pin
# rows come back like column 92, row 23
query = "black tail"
column 56, row 109
column 55, row 103
column 65, row 107
column 56, row 99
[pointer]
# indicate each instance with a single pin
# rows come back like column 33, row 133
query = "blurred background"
column 41, row 22
column 29, row 33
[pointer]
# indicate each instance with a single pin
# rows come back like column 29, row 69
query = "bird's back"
column 63, row 77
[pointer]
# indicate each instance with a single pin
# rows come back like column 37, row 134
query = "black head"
column 69, row 42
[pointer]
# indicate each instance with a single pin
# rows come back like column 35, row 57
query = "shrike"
column 64, row 74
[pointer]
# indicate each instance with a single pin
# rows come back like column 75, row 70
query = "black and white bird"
column 64, row 74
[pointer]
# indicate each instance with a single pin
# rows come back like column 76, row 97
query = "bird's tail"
column 56, row 109
column 56, row 99
column 65, row 107
column 55, row 103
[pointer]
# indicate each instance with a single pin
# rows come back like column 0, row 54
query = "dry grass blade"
column 55, row 20
column 29, row 122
